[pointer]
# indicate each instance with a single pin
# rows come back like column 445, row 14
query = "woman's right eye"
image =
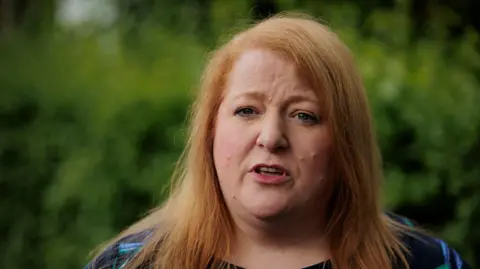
column 245, row 111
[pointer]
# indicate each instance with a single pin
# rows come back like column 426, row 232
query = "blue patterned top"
column 427, row 252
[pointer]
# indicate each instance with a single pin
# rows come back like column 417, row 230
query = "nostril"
column 275, row 143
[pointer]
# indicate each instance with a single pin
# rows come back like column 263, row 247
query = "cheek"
column 318, row 158
column 221, row 153
column 226, row 148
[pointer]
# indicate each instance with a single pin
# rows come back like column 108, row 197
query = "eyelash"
column 240, row 110
column 311, row 119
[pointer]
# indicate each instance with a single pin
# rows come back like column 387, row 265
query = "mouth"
column 270, row 170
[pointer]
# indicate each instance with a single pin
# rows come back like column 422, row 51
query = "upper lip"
column 276, row 166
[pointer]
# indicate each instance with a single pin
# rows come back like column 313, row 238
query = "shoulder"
column 119, row 253
column 427, row 251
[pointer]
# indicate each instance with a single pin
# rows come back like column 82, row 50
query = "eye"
column 245, row 111
column 306, row 117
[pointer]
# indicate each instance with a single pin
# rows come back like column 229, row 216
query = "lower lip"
column 270, row 179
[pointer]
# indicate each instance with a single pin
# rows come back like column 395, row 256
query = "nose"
column 272, row 134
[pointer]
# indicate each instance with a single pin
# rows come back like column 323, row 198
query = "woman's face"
column 271, row 145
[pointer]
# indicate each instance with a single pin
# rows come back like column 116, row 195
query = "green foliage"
column 89, row 138
column 91, row 126
column 424, row 99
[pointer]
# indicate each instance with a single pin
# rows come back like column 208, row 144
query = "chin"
column 266, row 209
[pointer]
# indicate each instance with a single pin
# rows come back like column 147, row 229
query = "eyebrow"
column 298, row 98
column 250, row 95
column 295, row 98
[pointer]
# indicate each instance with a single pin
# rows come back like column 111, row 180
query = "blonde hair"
column 194, row 228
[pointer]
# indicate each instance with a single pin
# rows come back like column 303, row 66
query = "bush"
column 89, row 138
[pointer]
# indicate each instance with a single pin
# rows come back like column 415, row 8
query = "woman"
column 281, row 170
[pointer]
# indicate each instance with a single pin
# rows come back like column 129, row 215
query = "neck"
column 281, row 232
column 295, row 240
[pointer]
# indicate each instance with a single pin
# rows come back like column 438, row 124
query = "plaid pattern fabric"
column 426, row 252
column 433, row 253
column 117, row 255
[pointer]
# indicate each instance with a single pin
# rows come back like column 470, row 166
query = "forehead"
column 261, row 65
column 266, row 71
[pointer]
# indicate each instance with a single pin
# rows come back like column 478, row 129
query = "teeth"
column 270, row 170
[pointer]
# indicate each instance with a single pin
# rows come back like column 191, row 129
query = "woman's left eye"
column 245, row 111
column 306, row 117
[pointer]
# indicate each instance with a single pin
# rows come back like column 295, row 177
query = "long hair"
column 193, row 228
